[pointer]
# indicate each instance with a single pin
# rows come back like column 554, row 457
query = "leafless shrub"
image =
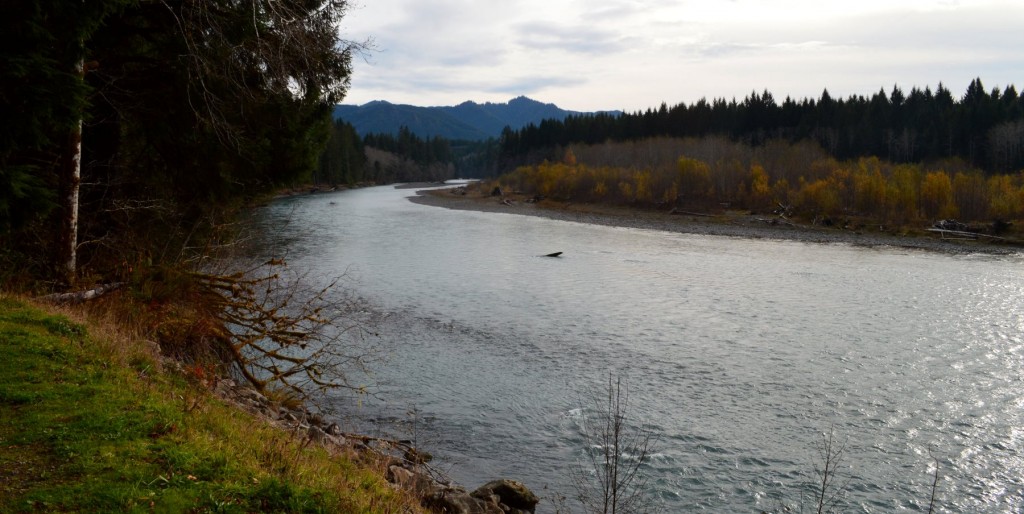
column 610, row 479
column 934, row 487
column 830, row 487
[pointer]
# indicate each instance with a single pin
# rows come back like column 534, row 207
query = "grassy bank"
column 89, row 422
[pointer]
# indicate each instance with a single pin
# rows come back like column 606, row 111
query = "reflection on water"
column 740, row 353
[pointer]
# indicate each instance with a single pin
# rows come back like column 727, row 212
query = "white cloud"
column 633, row 54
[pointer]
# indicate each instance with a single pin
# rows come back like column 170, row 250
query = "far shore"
column 729, row 224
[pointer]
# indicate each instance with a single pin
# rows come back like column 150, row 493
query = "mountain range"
column 467, row 121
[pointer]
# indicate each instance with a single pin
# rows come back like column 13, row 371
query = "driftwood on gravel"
column 82, row 296
column 776, row 221
column 688, row 213
column 963, row 234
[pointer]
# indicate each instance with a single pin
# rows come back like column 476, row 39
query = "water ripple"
column 740, row 354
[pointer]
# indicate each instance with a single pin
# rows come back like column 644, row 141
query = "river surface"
column 739, row 354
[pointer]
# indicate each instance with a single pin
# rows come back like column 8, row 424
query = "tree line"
column 984, row 128
column 383, row 158
column 801, row 179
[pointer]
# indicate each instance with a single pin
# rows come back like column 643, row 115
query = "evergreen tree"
column 191, row 104
column 344, row 159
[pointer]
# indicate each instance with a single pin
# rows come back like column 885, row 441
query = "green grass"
column 88, row 425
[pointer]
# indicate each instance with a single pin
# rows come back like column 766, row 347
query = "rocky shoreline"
column 404, row 466
column 747, row 226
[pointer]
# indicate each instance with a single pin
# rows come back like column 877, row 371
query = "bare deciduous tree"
column 610, row 479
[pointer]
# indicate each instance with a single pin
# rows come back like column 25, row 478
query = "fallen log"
column 962, row 234
column 82, row 296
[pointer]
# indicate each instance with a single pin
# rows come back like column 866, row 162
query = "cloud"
column 572, row 39
column 530, row 85
column 636, row 53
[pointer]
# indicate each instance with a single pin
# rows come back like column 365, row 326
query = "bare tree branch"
column 280, row 332
column 612, row 481
column 288, row 47
column 829, row 493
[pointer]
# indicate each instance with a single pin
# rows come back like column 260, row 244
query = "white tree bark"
column 71, row 178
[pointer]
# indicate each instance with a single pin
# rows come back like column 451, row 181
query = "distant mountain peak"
column 467, row 121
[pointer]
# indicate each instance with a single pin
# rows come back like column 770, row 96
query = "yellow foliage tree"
column 818, row 197
column 937, row 196
column 760, row 192
column 694, row 178
column 869, row 187
column 1006, row 199
column 902, row 193
column 642, row 186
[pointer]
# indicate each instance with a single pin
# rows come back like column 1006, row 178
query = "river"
column 739, row 354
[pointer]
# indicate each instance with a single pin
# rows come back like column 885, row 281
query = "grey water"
column 739, row 354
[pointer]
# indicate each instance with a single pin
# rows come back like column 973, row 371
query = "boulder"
column 509, row 492
column 316, row 435
column 453, row 501
column 410, row 481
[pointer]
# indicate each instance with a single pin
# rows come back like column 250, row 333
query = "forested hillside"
column 350, row 159
column 127, row 123
column 984, row 128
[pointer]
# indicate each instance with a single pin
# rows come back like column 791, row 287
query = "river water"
column 739, row 354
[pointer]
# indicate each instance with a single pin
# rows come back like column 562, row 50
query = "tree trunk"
column 70, row 179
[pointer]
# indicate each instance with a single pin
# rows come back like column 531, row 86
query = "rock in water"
column 458, row 502
column 510, row 492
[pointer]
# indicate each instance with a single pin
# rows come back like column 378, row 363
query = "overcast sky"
column 634, row 54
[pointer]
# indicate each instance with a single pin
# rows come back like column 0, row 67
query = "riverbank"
column 729, row 224
column 94, row 420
